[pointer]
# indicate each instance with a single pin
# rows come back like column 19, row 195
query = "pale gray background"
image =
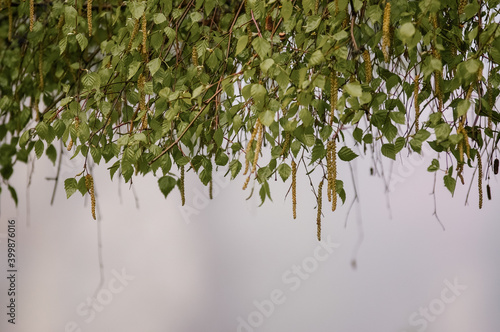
column 202, row 275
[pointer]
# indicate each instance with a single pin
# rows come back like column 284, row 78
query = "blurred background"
column 384, row 264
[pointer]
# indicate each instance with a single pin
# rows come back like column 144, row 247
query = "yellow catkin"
column 415, row 101
column 194, row 56
column 490, row 102
column 37, row 109
column 319, row 202
column 332, row 172
column 89, row 16
column 144, row 34
column 386, row 33
column 260, row 136
column 333, row 95
column 77, row 123
column 336, row 7
column 70, row 144
column 9, row 8
column 89, row 183
column 40, row 67
column 329, row 177
column 368, row 66
column 433, row 19
column 461, row 6
column 142, row 100
column 316, row 7
column 250, row 34
column 249, row 146
column 183, row 195
column 480, row 179
column 134, row 33
column 294, row 189
column 32, row 14
column 286, row 143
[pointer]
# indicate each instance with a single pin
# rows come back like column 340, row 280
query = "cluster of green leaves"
column 213, row 67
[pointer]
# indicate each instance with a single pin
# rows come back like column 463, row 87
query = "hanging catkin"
column 89, row 16
column 294, row 189
column 480, row 179
column 415, row 102
column 89, row 183
column 488, row 192
column 332, row 172
column 144, row 33
column 132, row 36
column 183, row 195
column 40, row 67
column 249, row 146
column 9, row 9
column 386, row 32
column 259, row 134
column 319, row 203
column 141, row 82
column 333, row 95
column 368, row 66
column 32, row 14
column 490, row 102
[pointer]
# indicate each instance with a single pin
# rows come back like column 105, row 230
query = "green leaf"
column 434, row 166
column 70, row 185
column 389, row 151
column 316, row 58
column 313, row 23
column 82, row 41
column 154, row 65
column 462, row 107
column 132, row 69
column 286, row 9
column 450, row 183
column 266, row 64
column 346, row 154
column 51, row 153
column 354, row 89
column 166, row 184
column 137, row 8
column 284, row 171
column 159, row 18
column 13, row 193
column 39, row 147
column 235, row 167
column 407, row 31
column 242, row 44
column 262, row 47
column 442, row 131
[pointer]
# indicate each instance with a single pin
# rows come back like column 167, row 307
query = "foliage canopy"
column 160, row 85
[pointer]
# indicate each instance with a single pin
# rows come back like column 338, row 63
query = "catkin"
column 211, row 189
column 415, row 101
column 194, row 56
column 368, row 66
column 488, row 192
column 386, row 33
column 480, row 179
column 40, row 67
column 70, row 144
column 333, row 95
column 260, row 135
column 294, row 189
column 89, row 183
column 319, row 202
column 89, row 16
column 495, row 166
column 32, row 14
column 132, row 36
column 9, row 8
column 461, row 6
column 490, row 102
column 269, row 23
column 249, row 145
column 144, row 33
column 183, row 196
column 286, row 143
column 332, row 172
column 142, row 100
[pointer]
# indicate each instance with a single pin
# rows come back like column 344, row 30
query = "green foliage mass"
column 155, row 85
